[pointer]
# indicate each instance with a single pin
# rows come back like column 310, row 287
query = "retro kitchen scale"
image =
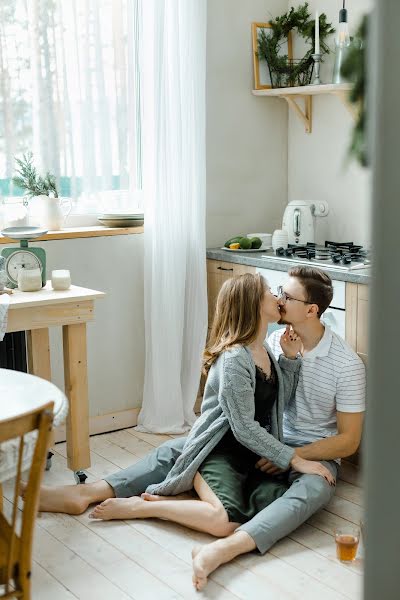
column 24, row 257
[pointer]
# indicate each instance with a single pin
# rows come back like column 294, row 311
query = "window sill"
column 81, row 232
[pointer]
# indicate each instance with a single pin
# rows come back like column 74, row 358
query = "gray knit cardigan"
column 228, row 402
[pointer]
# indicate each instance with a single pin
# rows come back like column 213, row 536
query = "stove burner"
column 331, row 252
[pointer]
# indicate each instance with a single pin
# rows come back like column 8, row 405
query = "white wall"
column 246, row 135
column 317, row 162
column 113, row 265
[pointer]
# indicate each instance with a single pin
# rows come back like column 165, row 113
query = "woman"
column 241, row 420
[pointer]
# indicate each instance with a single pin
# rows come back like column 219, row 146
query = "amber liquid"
column 346, row 547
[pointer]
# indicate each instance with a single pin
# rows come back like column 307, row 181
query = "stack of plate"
column 121, row 219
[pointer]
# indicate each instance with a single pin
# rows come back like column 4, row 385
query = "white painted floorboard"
column 75, row 557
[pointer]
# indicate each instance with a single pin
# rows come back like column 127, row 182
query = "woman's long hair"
column 237, row 315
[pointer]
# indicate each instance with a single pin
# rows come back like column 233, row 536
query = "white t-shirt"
column 332, row 378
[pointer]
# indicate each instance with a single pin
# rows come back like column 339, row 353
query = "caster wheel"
column 48, row 460
column 80, row 477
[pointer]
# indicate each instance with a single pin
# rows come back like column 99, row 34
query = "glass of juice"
column 347, row 538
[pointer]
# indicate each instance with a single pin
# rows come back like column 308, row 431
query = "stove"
column 344, row 256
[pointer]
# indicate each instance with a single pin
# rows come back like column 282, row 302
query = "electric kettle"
column 298, row 221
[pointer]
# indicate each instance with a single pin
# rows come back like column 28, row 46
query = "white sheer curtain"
column 174, row 50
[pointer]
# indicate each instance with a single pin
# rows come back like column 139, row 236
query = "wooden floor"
column 75, row 557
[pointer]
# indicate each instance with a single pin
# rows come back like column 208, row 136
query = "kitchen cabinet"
column 357, row 306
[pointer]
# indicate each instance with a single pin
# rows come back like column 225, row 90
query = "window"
column 70, row 93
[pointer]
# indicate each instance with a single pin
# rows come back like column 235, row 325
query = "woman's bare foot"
column 205, row 561
column 119, row 508
column 70, row 499
column 156, row 498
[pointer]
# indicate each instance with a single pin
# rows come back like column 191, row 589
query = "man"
column 323, row 422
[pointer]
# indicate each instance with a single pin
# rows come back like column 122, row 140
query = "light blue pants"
column 306, row 495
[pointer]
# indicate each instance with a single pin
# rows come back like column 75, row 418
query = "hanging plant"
column 270, row 45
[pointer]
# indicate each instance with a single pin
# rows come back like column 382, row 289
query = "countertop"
column 261, row 260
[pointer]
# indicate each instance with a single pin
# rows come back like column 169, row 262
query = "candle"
column 61, row 280
column 317, row 48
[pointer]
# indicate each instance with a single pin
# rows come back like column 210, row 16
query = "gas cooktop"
column 344, row 256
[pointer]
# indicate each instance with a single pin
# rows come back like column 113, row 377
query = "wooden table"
column 35, row 312
column 23, row 393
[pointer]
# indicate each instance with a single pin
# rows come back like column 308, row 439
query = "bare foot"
column 156, row 498
column 71, row 499
column 119, row 508
column 205, row 561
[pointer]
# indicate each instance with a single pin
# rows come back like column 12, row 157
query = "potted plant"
column 43, row 189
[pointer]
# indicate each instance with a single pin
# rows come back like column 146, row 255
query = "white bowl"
column 266, row 238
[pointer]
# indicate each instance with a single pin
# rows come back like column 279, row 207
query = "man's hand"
column 266, row 466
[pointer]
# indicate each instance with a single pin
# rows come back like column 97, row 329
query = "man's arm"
column 345, row 443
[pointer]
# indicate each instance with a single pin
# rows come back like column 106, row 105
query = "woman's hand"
column 290, row 343
column 312, row 467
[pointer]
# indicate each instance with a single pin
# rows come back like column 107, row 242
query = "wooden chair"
column 16, row 548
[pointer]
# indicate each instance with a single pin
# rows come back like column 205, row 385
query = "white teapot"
column 50, row 211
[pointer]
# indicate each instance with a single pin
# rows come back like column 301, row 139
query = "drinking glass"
column 347, row 538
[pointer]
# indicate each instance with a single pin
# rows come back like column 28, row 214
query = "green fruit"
column 255, row 243
column 245, row 243
column 234, row 240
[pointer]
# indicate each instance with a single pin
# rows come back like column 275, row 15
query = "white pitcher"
column 51, row 211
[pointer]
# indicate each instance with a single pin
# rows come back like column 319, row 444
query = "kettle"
column 298, row 221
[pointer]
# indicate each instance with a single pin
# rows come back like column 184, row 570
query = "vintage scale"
column 23, row 257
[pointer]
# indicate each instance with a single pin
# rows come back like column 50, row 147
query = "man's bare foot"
column 119, row 508
column 70, row 499
column 205, row 560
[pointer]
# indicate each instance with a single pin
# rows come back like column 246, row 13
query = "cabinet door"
column 362, row 321
column 217, row 273
column 357, row 307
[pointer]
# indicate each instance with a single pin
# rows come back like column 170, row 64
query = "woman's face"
column 270, row 307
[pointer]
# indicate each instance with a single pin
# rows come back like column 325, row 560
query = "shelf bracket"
column 306, row 114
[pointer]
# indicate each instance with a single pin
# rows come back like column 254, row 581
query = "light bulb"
column 343, row 35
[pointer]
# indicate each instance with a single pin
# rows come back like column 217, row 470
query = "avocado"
column 234, row 240
column 245, row 243
column 255, row 243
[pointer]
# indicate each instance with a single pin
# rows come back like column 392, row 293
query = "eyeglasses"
column 285, row 297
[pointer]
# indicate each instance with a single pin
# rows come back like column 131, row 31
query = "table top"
column 21, row 393
column 47, row 296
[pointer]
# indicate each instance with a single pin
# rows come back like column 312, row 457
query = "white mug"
column 29, row 280
column 280, row 239
column 61, row 279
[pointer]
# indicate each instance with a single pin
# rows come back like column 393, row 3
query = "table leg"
column 76, row 389
column 38, row 345
column 1, row 498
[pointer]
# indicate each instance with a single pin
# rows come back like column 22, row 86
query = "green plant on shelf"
column 286, row 71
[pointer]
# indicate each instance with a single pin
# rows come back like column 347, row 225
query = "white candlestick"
column 317, row 47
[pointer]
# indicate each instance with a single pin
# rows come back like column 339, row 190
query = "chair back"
column 16, row 555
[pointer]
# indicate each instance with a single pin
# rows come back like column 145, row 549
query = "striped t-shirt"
column 332, row 378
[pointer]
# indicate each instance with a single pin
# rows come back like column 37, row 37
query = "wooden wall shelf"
column 292, row 95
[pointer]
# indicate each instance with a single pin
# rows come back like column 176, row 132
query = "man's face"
column 295, row 309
